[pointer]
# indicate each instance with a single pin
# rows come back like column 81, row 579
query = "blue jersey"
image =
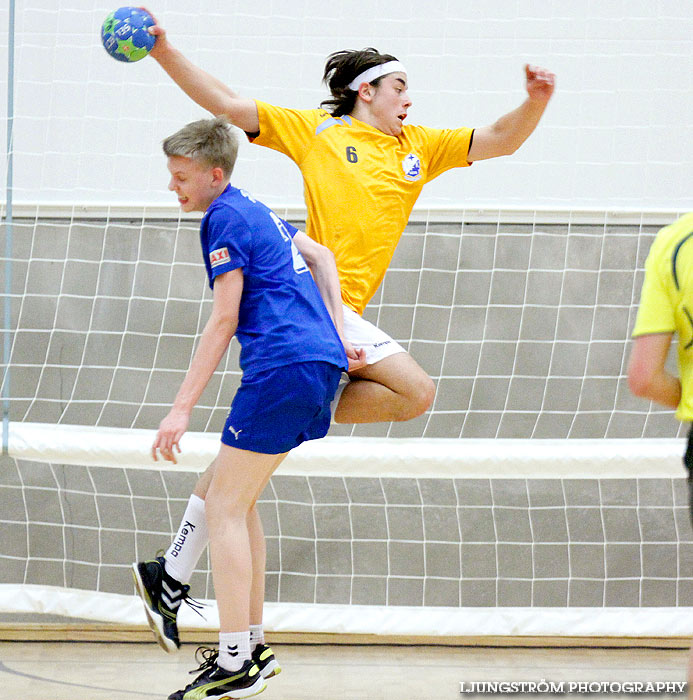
column 282, row 318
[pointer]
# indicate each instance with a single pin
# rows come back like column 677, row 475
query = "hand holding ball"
column 125, row 34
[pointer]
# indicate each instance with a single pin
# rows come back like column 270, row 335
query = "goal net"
column 523, row 501
column 537, row 497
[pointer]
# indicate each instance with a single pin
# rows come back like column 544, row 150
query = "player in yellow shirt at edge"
column 666, row 308
column 363, row 170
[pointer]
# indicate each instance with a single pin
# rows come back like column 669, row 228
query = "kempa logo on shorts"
column 187, row 529
column 412, row 167
column 235, row 432
column 219, row 256
column 379, row 345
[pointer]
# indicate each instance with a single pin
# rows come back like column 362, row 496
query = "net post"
column 8, row 235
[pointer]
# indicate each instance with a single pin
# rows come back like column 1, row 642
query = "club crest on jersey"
column 412, row 167
column 219, row 257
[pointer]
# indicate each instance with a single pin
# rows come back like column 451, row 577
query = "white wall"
column 617, row 133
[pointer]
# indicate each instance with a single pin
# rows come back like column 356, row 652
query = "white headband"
column 371, row 74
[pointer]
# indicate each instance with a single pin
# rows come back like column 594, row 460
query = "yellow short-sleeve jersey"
column 666, row 300
column 360, row 184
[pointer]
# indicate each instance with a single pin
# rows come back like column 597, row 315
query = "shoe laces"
column 207, row 658
column 194, row 605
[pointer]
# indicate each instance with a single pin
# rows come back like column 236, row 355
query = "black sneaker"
column 264, row 658
column 216, row 683
column 162, row 596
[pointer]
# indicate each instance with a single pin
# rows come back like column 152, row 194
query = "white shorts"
column 363, row 334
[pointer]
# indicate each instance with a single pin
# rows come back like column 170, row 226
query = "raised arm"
column 322, row 266
column 215, row 338
column 506, row 135
column 209, row 92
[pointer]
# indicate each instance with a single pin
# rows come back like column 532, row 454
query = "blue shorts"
column 276, row 410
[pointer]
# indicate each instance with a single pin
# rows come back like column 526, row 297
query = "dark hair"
column 340, row 69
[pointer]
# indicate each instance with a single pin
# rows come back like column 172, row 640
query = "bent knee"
column 419, row 399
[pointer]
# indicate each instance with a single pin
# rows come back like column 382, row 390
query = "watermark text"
column 544, row 687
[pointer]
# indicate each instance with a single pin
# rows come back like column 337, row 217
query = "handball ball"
column 125, row 34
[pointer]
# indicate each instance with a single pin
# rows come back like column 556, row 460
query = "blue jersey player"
column 289, row 325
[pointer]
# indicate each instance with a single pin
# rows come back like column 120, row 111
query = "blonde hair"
column 211, row 141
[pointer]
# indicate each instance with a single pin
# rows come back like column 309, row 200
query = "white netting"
column 88, row 128
column 515, row 286
column 523, row 326
column 370, row 536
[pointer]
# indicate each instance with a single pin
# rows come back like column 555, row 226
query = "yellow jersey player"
column 666, row 308
column 363, row 170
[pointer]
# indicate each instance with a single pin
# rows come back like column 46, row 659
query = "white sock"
column 189, row 543
column 257, row 636
column 234, row 650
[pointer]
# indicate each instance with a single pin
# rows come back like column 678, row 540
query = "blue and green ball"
column 125, row 34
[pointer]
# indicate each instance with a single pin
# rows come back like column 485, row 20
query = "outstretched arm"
column 203, row 88
column 322, row 266
column 215, row 338
column 507, row 134
column 647, row 375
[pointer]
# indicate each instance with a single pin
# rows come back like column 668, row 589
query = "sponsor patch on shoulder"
column 219, row 257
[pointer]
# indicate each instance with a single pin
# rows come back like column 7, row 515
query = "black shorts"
column 688, row 463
